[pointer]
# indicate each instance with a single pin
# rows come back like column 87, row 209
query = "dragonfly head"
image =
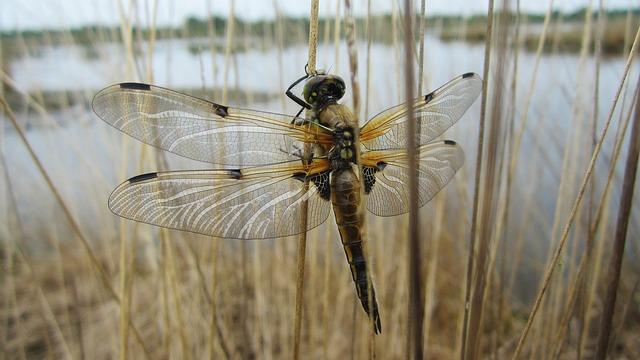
column 322, row 90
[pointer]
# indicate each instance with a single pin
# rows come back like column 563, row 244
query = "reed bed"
column 515, row 257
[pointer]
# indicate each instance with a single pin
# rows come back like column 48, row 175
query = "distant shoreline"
column 295, row 29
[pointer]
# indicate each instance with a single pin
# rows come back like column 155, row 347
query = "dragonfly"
column 280, row 175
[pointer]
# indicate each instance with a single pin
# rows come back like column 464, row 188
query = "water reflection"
column 86, row 143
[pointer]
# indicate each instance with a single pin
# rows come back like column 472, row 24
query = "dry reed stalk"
column 336, row 37
column 595, row 115
column 152, row 39
column 302, row 238
column 598, row 226
column 421, row 29
column 568, row 180
column 414, row 311
column 211, row 29
column 328, row 259
column 519, row 242
column 496, row 279
column 569, row 308
column 425, row 326
column 125, row 307
column 615, row 262
column 432, row 263
column 623, row 122
column 502, row 216
column 350, row 34
column 102, row 274
column 396, row 52
column 126, row 31
column 45, row 305
column 246, row 349
column 11, row 269
column 595, row 226
column 525, row 111
column 398, row 314
column 591, row 297
column 585, row 263
column 281, row 247
column 367, row 89
column 476, row 186
column 491, row 188
column 326, row 298
column 215, row 331
column 570, row 161
column 565, row 232
column 261, row 313
column 124, row 263
column 279, row 33
column 54, row 239
column 228, row 51
column 625, row 311
column 166, row 317
column 175, row 290
column 579, row 292
column 48, row 314
column 594, row 123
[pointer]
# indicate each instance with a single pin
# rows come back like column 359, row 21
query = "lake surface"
column 87, row 157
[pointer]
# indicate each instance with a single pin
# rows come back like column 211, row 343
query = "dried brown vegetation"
column 76, row 282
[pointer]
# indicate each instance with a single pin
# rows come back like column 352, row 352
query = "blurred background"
column 79, row 282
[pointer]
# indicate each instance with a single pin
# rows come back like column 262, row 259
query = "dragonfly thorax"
column 342, row 155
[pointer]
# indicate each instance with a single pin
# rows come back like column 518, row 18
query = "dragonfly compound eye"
column 334, row 87
column 323, row 89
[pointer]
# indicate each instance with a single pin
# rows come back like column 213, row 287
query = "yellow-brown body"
column 347, row 202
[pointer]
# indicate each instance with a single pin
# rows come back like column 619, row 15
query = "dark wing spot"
column 221, row 110
column 467, row 75
column 381, row 165
column 143, row 177
column 321, row 182
column 449, row 142
column 235, row 174
column 135, row 86
column 369, row 178
column 299, row 176
column 428, row 97
column 370, row 175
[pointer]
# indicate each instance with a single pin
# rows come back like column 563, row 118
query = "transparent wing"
column 202, row 130
column 435, row 113
column 254, row 203
column 389, row 193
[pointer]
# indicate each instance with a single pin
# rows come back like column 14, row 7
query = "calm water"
column 85, row 156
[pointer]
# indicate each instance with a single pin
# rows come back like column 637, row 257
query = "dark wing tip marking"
column 221, row 110
column 428, row 97
column 235, row 174
column 450, row 142
column 143, row 177
column 135, row 86
column 468, row 75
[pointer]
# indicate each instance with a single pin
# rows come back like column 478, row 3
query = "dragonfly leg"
column 296, row 98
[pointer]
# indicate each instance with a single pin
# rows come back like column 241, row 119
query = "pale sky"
column 30, row 14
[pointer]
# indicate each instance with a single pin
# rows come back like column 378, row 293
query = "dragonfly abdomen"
column 345, row 197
